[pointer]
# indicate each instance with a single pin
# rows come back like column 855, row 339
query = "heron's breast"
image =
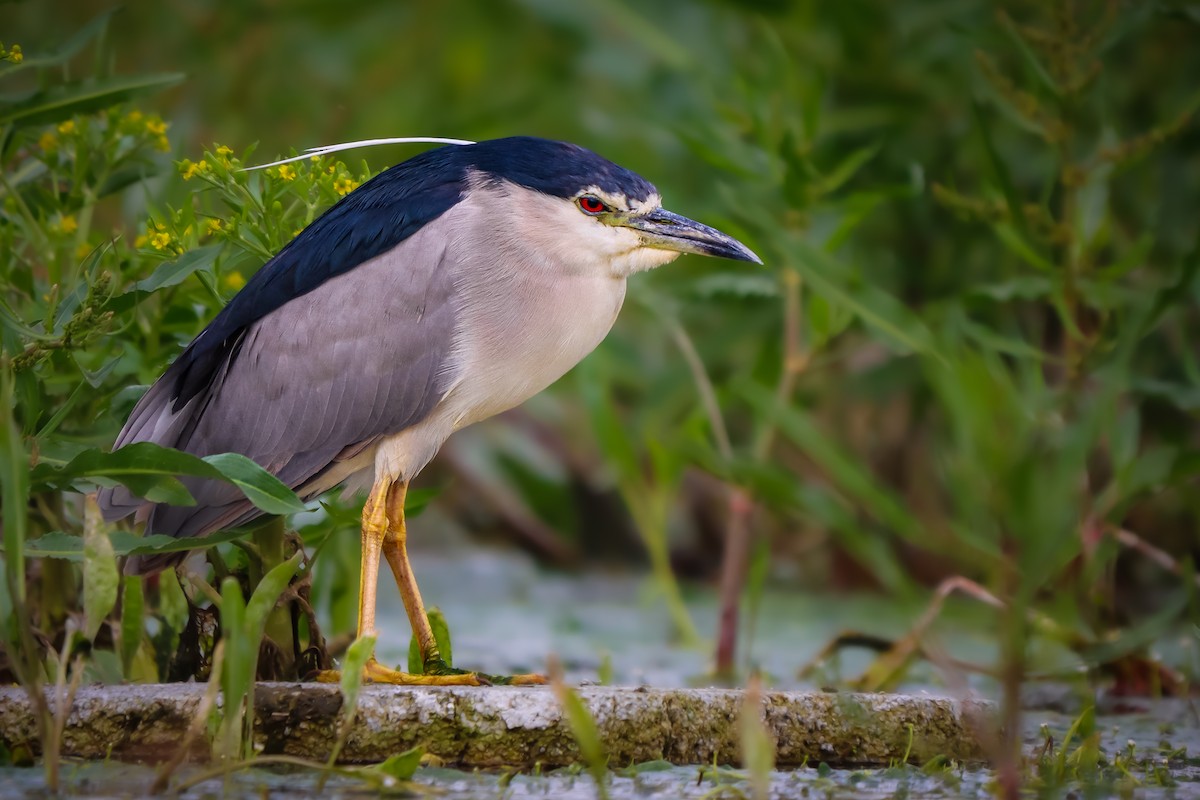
column 523, row 334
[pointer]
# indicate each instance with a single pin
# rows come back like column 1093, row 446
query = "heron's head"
column 583, row 210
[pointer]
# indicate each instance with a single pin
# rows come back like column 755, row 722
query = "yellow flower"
column 48, row 142
column 212, row 227
column 67, row 224
column 156, row 126
column 15, row 55
column 233, row 281
column 134, row 116
column 162, row 144
column 223, row 153
column 287, row 172
column 345, row 186
column 67, row 126
column 83, row 250
column 190, row 169
column 160, row 241
column 141, row 241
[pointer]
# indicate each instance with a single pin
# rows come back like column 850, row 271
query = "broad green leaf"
column 57, row 544
column 100, row 576
column 175, row 272
column 149, row 471
column 66, row 100
column 357, row 656
column 260, row 487
column 441, row 634
column 401, row 766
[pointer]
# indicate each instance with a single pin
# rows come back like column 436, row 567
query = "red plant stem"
column 733, row 573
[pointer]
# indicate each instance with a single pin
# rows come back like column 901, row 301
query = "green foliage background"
column 970, row 351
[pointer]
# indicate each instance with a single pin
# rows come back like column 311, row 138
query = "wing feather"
column 362, row 356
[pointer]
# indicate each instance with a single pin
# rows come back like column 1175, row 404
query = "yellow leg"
column 375, row 527
column 395, row 550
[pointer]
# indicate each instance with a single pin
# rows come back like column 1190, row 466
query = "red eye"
column 591, row 204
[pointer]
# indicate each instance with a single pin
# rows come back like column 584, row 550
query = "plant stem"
column 270, row 539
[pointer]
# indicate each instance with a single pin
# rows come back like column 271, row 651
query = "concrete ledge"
column 521, row 727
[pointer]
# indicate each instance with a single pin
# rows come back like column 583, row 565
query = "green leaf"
column 66, row 100
column 14, row 491
column 133, row 609
column 260, row 487
column 417, row 500
column 100, row 576
column 441, row 635
column 1029, row 57
column 1012, row 238
column 175, row 272
column 740, row 285
column 999, row 168
column 68, row 49
column 149, row 471
column 1024, row 287
column 842, row 468
column 586, row 734
column 875, row 307
column 401, row 766
column 172, row 602
column 237, row 673
column 265, row 596
column 848, row 167
column 357, row 656
column 757, row 746
column 57, row 544
column 12, row 320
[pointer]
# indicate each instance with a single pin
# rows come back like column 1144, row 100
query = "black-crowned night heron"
column 445, row 290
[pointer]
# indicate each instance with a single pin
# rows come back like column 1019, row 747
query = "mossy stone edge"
column 522, row 726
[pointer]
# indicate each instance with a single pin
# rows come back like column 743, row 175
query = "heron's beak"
column 666, row 230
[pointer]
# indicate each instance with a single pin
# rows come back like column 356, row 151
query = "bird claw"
column 436, row 666
column 527, row 679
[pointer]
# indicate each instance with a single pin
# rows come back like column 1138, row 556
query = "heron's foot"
column 435, row 666
column 374, row 672
column 527, row 679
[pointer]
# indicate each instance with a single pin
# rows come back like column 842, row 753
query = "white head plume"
column 315, row 152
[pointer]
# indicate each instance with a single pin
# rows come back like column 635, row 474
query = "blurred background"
column 970, row 352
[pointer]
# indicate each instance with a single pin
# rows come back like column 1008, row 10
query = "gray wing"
column 362, row 356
